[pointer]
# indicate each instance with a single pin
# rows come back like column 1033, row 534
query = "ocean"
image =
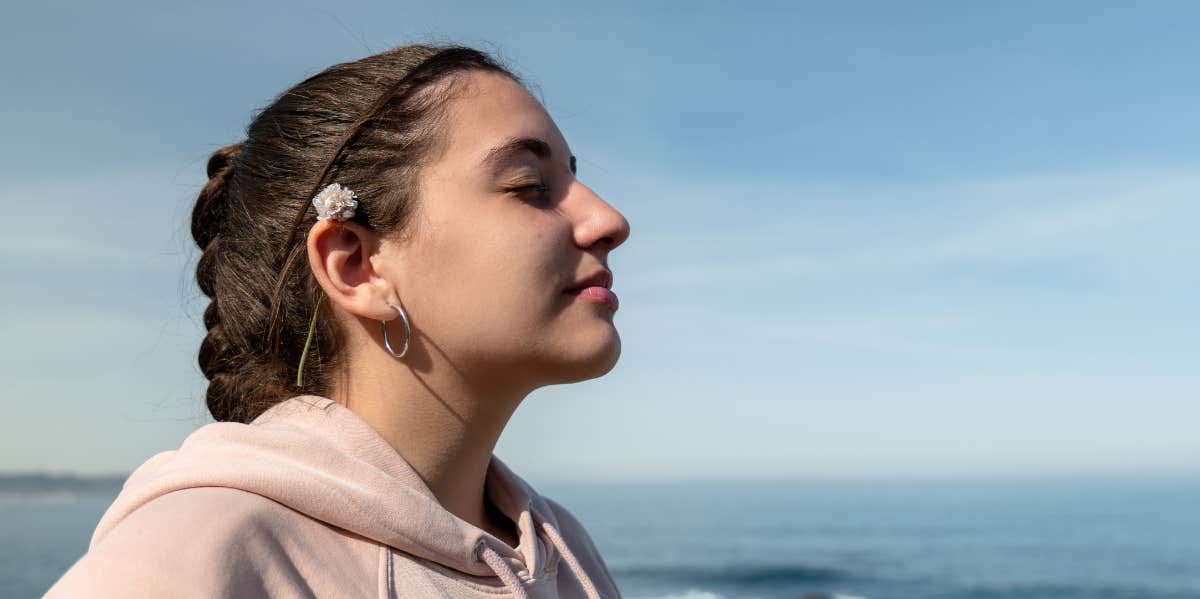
column 1110, row 539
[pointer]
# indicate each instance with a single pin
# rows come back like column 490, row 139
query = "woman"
column 397, row 254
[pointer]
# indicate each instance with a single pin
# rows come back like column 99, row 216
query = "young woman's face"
column 502, row 230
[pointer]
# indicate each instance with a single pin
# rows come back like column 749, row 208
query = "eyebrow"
column 536, row 146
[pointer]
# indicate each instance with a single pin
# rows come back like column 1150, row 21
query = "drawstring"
column 572, row 562
column 502, row 569
column 505, row 572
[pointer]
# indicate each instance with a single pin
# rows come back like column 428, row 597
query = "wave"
column 689, row 594
column 699, row 594
column 1069, row 591
column 750, row 575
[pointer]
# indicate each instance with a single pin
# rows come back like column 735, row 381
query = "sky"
column 869, row 239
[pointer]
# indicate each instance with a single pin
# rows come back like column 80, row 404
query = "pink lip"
column 596, row 294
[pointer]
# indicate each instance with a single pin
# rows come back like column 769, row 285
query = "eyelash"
column 538, row 187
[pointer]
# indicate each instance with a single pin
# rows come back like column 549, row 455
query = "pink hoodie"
column 309, row 501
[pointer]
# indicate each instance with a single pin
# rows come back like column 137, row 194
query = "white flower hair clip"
column 335, row 201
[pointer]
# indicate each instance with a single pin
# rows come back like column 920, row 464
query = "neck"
column 443, row 426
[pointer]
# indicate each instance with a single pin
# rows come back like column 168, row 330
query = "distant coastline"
column 37, row 485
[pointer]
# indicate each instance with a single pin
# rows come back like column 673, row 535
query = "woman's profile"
column 397, row 254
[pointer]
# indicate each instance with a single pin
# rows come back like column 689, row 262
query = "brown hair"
column 369, row 124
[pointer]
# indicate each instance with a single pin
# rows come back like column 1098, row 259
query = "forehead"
column 488, row 109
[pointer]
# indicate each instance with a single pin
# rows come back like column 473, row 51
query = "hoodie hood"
column 318, row 458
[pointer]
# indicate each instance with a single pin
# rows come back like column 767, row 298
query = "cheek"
column 518, row 269
column 501, row 280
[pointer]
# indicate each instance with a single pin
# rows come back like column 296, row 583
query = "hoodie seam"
column 546, row 575
column 388, row 589
column 457, row 576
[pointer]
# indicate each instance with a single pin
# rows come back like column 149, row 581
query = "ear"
column 339, row 254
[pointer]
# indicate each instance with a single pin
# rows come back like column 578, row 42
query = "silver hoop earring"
column 407, row 332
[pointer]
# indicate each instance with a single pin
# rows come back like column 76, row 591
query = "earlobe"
column 339, row 255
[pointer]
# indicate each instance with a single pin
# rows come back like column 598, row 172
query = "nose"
column 597, row 221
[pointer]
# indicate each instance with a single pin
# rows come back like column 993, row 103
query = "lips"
column 601, row 278
column 595, row 289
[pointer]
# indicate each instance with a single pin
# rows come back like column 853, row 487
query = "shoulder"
column 184, row 543
column 203, row 542
column 207, row 521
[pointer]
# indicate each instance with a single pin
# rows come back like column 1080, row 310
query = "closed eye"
column 535, row 187
column 525, row 190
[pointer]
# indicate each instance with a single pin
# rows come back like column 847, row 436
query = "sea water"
column 1110, row 539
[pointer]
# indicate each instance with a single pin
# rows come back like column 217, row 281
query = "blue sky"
column 869, row 239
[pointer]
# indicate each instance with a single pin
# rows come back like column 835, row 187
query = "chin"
column 589, row 359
